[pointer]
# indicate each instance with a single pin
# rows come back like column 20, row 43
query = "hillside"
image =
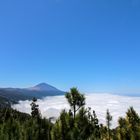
column 13, row 95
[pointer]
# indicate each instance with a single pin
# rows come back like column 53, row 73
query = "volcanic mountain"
column 39, row 91
column 43, row 87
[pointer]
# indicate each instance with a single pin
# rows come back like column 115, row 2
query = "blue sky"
column 91, row 44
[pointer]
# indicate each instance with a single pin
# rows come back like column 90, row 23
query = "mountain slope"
column 39, row 91
column 44, row 87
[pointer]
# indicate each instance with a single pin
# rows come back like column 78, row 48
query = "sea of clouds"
column 117, row 105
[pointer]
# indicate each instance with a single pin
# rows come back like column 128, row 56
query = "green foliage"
column 108, row 122
column 75, row 100
column 129, row 127
column 35, row 110
column 15, row 125
column 20, row 126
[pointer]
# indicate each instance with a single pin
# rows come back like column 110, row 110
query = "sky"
column 91, row 44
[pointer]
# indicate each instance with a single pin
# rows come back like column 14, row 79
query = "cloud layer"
column 118, row 105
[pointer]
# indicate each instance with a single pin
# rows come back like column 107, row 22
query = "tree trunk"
column 74, row 111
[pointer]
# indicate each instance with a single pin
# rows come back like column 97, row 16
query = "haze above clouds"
column 52, row 106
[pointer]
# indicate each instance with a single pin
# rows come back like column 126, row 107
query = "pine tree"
column 75, row 99
column 35, row 109
column 108, row 122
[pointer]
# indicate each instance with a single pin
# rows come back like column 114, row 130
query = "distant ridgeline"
column 9, row 96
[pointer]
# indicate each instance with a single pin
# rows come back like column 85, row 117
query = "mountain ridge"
column 38, row 91
column 43, row 87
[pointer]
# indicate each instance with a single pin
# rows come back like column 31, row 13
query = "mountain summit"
column 44, row 87
column 39, row 91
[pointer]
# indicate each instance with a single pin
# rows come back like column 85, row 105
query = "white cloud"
column 118, row 105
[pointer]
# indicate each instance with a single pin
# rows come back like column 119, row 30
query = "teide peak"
column 39, row 91
column 44, row 87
